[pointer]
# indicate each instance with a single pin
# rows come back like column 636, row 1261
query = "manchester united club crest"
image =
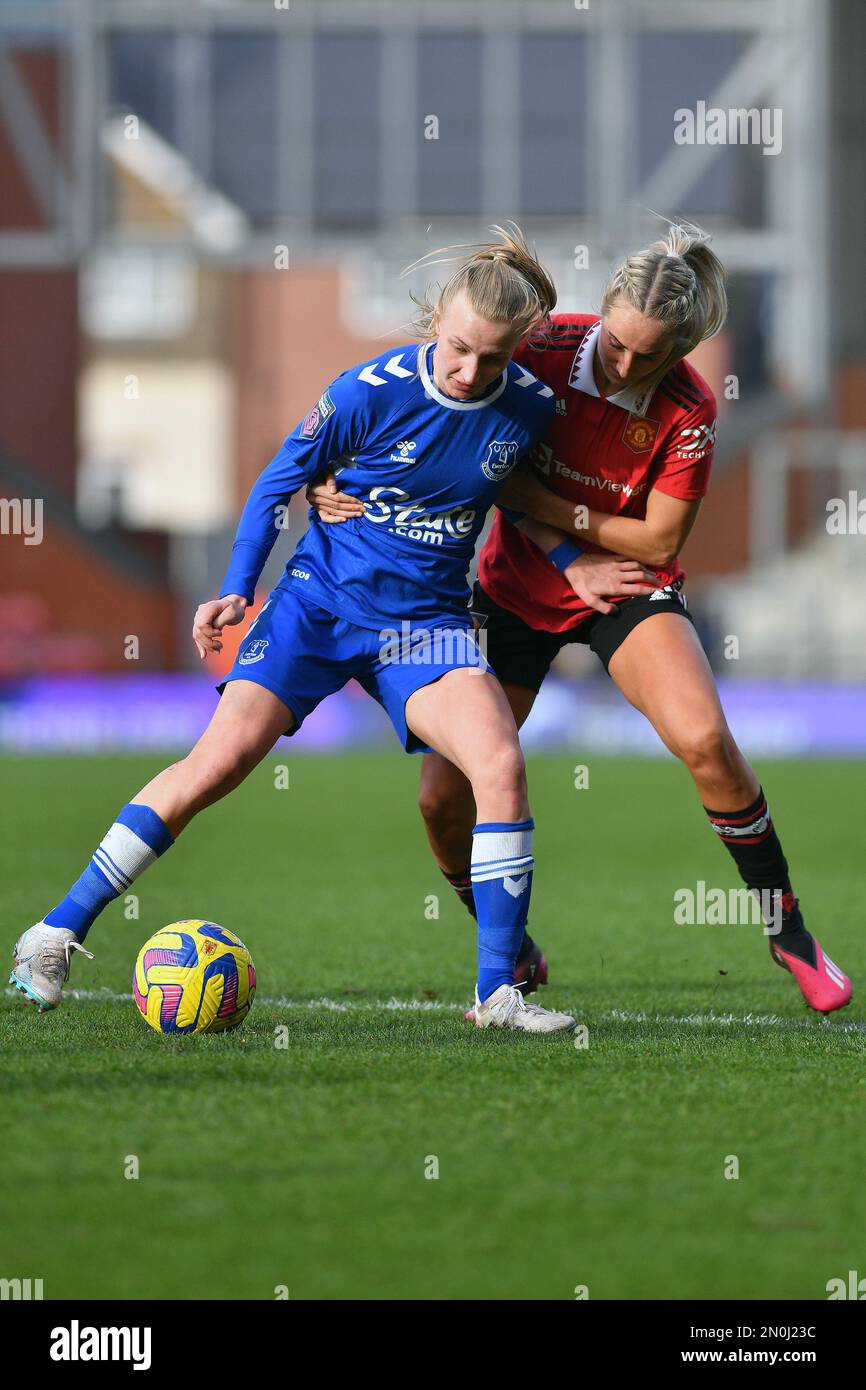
column 640, row 434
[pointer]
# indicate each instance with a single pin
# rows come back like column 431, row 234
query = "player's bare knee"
column 438, row 791
column 444, row 794
column 503, row 774
column 708, row 750
column 434, row 805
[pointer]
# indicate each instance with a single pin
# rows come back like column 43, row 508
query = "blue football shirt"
column 427, row 468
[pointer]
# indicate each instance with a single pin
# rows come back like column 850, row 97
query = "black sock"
column 462, row 885
column 750, row 837
column 526, row 946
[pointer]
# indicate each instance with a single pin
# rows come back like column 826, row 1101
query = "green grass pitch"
column 558, row 1167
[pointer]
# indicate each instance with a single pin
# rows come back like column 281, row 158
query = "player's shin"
column 462, row 885
column 502, row 867
column 134, row 841
column 750, row 837
column 757, row 852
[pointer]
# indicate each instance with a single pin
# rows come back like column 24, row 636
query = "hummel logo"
column 392, row 365
column 527, row 379
column 404, row 452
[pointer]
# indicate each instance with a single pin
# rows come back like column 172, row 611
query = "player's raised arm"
column 594, row 578
column 327, row 432
column 673, row 502
column 655, row 539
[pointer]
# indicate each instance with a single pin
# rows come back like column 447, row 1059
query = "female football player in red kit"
column 622, row 474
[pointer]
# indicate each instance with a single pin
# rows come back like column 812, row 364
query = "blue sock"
column 136, row 838
column 502, row 866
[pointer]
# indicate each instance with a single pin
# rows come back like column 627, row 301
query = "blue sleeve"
column 510, row 514
column 548, row 415
column 333, row 427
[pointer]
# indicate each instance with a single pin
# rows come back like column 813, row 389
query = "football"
column 194, row 977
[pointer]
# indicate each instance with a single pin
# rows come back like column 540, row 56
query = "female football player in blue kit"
column 424, row 436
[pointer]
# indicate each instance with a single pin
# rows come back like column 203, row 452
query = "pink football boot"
column 531, row 972
column 823, row 985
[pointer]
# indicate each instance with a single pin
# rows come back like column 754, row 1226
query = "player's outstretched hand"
column 212, row 617
column 330, row 503
column 597, row 578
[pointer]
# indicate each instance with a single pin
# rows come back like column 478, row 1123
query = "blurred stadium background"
column 206, row 205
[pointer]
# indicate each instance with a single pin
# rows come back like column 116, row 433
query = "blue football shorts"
column 303, row 654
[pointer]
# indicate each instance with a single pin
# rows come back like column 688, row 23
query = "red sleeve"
column 532, row 352
column 527, row 357
column 683, row 467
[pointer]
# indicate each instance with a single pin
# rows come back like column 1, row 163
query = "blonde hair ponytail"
column 677, row 280
column 503, row 280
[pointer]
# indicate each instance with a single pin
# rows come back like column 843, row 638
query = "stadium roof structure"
column 264, row 151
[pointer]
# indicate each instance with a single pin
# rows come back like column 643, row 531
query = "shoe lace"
column 58, row 955
column 516, row 1002
column 533, row 1008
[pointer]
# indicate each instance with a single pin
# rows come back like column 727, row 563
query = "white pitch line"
column 851, row 1025
column 324, row 1004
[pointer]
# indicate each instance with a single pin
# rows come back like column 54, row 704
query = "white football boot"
column 42, row 960
column 507, row 1008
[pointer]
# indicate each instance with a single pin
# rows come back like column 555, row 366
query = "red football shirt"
column 605, row 453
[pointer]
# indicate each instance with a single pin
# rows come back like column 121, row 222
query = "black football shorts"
column 522, row 655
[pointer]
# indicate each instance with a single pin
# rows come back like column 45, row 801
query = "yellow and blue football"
column 194, row 977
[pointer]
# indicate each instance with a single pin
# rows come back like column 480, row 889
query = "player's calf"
column 43, row 953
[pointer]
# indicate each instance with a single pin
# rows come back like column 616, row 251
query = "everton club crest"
column 254, row 652
column 501, row 457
